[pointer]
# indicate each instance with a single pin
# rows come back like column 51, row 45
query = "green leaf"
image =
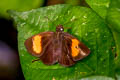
column 99, row 6
column 107, row 9
column 110, row 11
column 118, row 77
column 84, row 24
column 113, row 19
column 97, row 78
column 20, row 5
column 118, row 72
column 113, row 16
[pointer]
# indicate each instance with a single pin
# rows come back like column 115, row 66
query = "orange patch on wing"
column 75, row 48
column 37, row 44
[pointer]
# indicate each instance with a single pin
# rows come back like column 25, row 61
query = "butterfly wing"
column 35, row 44
column 77, row 49
column 65, row 58
column 42, row 46
column 49, row 56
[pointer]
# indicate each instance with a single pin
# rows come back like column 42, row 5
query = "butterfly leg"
column 35, row 60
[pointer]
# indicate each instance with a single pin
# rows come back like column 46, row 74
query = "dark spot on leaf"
column 116, row 55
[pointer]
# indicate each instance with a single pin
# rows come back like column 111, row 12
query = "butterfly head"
column 59, row 28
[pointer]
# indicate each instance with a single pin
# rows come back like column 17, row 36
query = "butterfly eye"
column 61, row 29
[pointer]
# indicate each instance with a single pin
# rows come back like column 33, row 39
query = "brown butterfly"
column 52, row 47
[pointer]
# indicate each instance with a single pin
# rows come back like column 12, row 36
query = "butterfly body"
column 59, row 46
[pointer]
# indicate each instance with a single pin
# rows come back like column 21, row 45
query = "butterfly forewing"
column 78, row 49
column 35, row 44
column 49, row 56
column 65, row 58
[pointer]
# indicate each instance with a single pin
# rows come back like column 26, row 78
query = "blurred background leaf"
column 73, row 2
column 85, row 25
column 19, row 5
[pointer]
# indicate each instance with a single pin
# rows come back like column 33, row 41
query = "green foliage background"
column 19, row 5
column 97, row 26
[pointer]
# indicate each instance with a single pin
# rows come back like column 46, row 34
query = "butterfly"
column 52, row 47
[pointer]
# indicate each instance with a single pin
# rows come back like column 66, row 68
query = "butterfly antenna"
column 71, row 20
column 48, row 19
